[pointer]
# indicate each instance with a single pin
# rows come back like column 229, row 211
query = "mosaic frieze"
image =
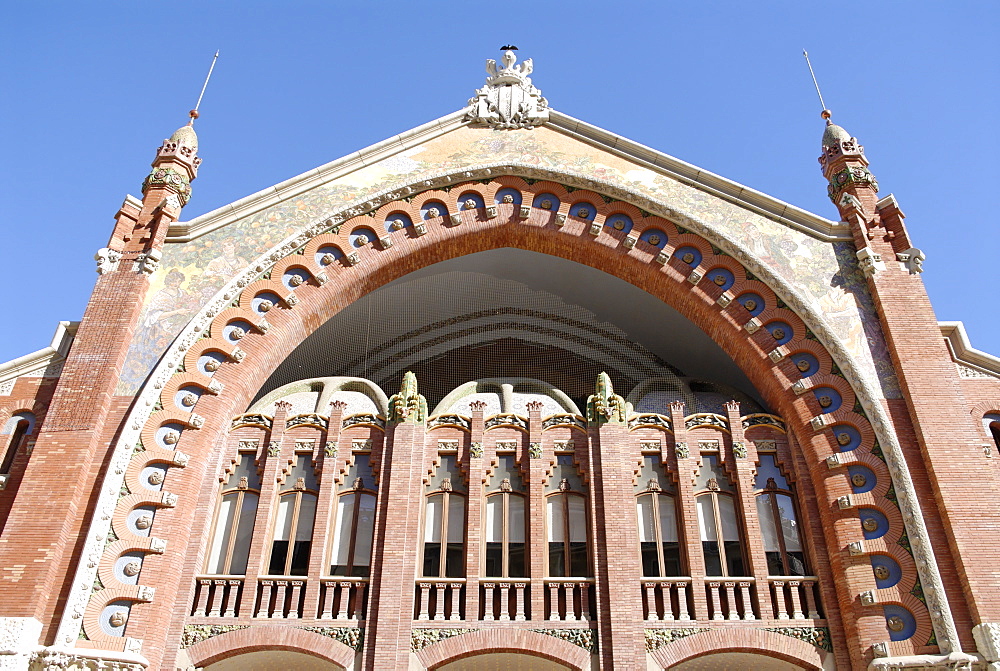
column 657, row 638
column 192, row 272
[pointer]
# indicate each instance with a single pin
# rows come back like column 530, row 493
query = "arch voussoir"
column 521, row 641
column 270, row 637
column 756, row 641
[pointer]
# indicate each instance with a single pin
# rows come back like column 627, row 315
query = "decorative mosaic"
column 818, row 636
column 918, row 592
column 421, row 638
column 657, row 638
column 196, row 633
column 582, row 637
column 349, row 636
column 826, row 274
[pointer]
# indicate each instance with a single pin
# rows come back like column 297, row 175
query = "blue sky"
column 90, row 90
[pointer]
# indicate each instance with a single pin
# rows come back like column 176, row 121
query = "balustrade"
column 218, row 595
column 440, row 599
column 280, row 597
column 794, row 597
column 343, row 598
column 731, row 598
column 569, row 598
column 666, row 599
column 505, row 601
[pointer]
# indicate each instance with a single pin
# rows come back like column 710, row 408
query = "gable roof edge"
column 721, row 187
column 727, row 189
column 186, row 231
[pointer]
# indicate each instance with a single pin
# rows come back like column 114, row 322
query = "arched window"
column 991, row 422
column 17, row 427
column 505, row 522
column 234, row 519
column 351, row 554
column 444, row 523
column 292, row 540
column 656, row 509
column 566, row 520
column 778, row 523
column 721, row 537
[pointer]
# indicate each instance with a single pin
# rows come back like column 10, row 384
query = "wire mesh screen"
column 453, row 326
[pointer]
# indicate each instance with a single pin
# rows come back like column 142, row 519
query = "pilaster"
column 391, row 601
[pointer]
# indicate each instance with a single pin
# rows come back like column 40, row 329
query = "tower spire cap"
column 833, row 135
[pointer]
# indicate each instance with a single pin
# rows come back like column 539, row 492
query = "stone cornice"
column 772, row 208
column 41, row 359
column 768, row 206
column 964, row 353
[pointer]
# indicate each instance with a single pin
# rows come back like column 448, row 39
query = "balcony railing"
column 569, row 599
column 731, row 598
column 506, row 600
column 280, row 597
column 218, row 595
column 794, row 597
column 343, row 598
column 666, row 599
column 440, row 599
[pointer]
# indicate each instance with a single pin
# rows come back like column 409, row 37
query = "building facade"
column 504, row 391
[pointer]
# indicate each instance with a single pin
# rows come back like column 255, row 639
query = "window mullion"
column 354, row 532
column 779, row 531
column 567, row 529
column 658, row 533
column 718, row 533
column 505, row 536
column 234, row 526
column 292, row 533
column 443, row 554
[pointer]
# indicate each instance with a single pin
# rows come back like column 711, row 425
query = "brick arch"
column 671, row 281
column 757, row 641
column 270, row 637
column 504, row 640
column 983, row 408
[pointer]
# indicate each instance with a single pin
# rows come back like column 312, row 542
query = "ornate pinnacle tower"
column 141, row 226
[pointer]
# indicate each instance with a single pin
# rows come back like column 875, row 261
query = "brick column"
column 275, row 455
column 686, row 460
column 474, row 531
column 618, row 569
column 742, row 456
column 538, row 547
column 535, row 537
column 81, row 422
column 397, row 539
column 319, row 560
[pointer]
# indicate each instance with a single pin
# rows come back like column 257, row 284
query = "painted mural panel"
column 826, row 274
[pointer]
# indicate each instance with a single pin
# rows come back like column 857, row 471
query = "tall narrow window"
column 505, row 521
column 234, row 520
column 18, row 431
column 566, row 520
column 444, row 523
column 778, row 525
column 292, row 540
column 656, row 510
column 721, row 539
column 351, row 554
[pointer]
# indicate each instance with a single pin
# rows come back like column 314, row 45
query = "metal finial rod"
column 826, row 112
column 194, row 112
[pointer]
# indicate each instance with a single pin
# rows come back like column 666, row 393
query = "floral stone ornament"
column 508, row 100
column 408, row 406
column 605, row 406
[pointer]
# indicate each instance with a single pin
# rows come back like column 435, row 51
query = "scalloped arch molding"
column 555, row 232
